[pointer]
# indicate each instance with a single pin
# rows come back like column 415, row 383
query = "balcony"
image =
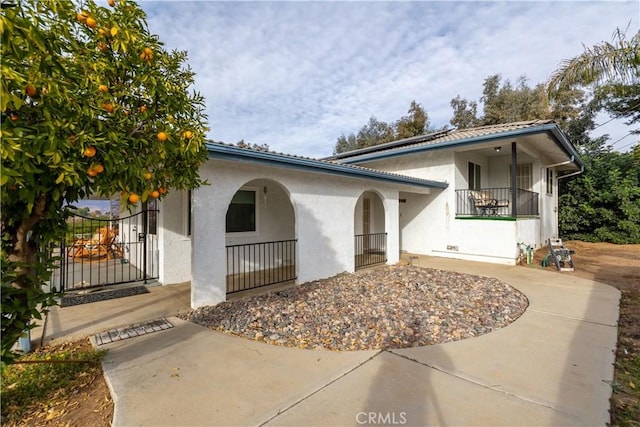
column 496, row 203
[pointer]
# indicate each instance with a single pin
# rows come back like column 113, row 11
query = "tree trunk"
column 24, row 248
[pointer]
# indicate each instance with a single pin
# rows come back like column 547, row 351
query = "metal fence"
column 100, row 252
column 370, row 249
column 496, row 202
column 254, row 265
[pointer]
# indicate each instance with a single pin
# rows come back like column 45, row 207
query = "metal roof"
column 456, row 137
column 222, row 151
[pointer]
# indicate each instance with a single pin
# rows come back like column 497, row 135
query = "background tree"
column 415, row 123
column 612, row 70
column 91, row 103
column 503, row 102
column 465, row 113
column 252, row 146
column 603, row 204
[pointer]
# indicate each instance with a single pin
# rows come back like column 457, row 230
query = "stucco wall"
column 548, row 210
column 425, row 219
column 481, row 240
column 175, row 255
column 323, row 206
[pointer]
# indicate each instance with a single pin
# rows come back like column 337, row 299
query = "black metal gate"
column 370, row 249
column 101, row 252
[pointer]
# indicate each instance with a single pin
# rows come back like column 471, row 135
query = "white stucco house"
column 477, row 194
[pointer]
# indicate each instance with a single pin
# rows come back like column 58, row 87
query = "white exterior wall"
column 173, row 241
column 324, row 222
column 548, row 209
column 425, row 219
column 482, row 240
column 428, row 222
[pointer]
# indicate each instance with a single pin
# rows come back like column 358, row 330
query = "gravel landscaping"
column 381, row 308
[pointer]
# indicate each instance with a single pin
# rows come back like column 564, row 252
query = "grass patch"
column 48, row 374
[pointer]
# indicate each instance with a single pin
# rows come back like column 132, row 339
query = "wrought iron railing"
column 254, row 265
column 99, row 252
column 496, row 202
column 370, row 249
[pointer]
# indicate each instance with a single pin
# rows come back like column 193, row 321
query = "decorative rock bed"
column 381, row 308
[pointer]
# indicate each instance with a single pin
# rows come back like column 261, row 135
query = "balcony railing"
column 370, row 249
column 260, row 264
column 496, row 202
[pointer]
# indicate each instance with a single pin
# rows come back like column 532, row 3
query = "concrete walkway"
column 553, row 366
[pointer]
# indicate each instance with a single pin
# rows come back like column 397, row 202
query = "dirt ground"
column 616, row 265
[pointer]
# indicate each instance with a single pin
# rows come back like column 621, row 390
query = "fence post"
column 145, row 224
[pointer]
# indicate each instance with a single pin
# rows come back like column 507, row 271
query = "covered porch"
column 271, row 220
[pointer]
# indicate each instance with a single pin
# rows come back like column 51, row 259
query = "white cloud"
column 296, row 75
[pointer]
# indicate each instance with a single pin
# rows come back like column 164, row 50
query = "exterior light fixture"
column 497, row 149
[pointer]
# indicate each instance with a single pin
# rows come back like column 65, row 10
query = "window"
column 241, row 215
column 474, row 176
column 549, row 181
column 524, row 177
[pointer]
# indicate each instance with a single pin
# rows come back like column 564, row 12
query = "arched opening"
column 370, row 231
column 261, row 244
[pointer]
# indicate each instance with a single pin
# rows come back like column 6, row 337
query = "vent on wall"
column 403, row 200
column 452, row 248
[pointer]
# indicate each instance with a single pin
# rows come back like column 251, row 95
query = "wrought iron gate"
column 102, row 252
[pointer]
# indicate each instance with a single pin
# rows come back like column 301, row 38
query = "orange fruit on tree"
column 89, row 151
column 98, row 168
column 31, row 91
column 155, row 194
column 14, row 117
column 91, row 23
column 112, row 3
column 148, row 176
column 103, row 88
column 162, row 190
column 188, row 134
column 82, row 16
column 92, row 172
column 102, row 46
column 143, row 108
column 108, row 107
column 134, row 198
column 162, row 136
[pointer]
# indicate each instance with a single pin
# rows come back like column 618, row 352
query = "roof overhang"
column 556, row 147
column 268, row 158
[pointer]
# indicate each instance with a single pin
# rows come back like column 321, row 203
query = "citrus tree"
column 91, row 103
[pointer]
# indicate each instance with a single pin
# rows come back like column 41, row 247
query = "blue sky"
column 297, row 75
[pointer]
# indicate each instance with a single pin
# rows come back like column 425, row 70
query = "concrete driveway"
column 553, row 366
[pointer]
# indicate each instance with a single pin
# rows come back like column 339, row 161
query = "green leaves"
column 603, row 204
column 55, row 58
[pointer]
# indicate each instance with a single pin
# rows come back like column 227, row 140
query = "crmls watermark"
column 386, row 418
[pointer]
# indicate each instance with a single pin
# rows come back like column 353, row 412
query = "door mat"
column 131, row 331
column 69, row 300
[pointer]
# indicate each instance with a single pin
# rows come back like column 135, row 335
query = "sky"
column 297, row 75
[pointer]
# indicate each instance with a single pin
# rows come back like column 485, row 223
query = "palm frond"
column 603, row 63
